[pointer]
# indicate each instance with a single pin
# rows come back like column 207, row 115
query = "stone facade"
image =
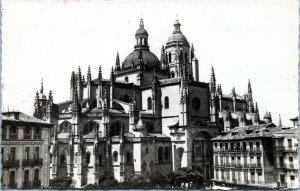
column 151, row 115
column 25, row 151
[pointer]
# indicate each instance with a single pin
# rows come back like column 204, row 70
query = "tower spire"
column 280, row 124
column 141, row 23
column 213, row 80
column 42, row 87
column 89, row 75
column 100, row 74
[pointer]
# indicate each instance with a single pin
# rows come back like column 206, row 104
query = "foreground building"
column 257, row 155
column 151, row 115
column 25, row 151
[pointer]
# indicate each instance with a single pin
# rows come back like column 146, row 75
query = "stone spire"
column 118, row 67
column 192, row 52
column 50, row 98
column 141, row 23
column 212, row 80
column 89, row 75
column 100, row 74
column 112, row 75
column 280, row 123
column 163, row 60
column 42, row 87
column 233, row 92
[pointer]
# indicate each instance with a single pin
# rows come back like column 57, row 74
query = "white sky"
column 242, row 39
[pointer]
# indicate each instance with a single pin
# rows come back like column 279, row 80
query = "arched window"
column 172, row 75
column 149, row 103
column 149, row 128
column 26, row 177
column 50, row 157
column 64, row 127
column 36, row 175
column 167, row 154
column 170, row 58
column 115, row 156
column 128, row 157
column 160, row 154
column 186, row 57
column 12, row 179
column 126, row 79
column 62, row 158
column 166, row 102
column 100, row 159
column 126, row 98
column 115, row 129
column 88, row 158
column 90, row 127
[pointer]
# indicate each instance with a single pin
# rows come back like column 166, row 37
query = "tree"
column 60, row 182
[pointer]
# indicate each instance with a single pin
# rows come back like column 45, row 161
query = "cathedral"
column 151, row 115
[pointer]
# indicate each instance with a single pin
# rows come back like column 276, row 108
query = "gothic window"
column 170, row 58
column 62, row 159
column 115, row 156
column 186, row 57
column 128, row 157
column 160, row 154
column 172, row 75
column 196, row 103
column 64, row 127
column 115, row 129
column 126, row 79
column 150, row 128
column 149, row 103
column 90, row 127
column 166, row 102
column 88, row 158
column 100, row 159
column 198, row 149
column 50, row 157
column 126, row 98
column 167, row 154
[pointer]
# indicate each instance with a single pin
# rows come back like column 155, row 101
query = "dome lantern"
column 141, row 36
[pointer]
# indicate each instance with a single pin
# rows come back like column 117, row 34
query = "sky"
column 241, row 39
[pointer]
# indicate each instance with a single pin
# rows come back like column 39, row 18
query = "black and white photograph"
column 154, row 94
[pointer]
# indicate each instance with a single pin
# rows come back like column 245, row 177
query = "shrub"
column 60, row 182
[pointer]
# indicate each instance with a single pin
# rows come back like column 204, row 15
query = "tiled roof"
column 22, row 117
column 286, row 132
column 251, row 131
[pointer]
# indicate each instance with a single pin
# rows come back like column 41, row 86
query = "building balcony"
column 37, row 136
column 11, row 163
column 13, row 136
column 290, row 166
column 27, row 136
column 32, row 162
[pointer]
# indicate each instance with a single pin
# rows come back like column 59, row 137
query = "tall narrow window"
column 115, row 156
column 126, row 98
column 149, row 103
column 167, row 154
column 88, row 157
column 160, row 154
column 12, row 155
column 128, row 157
column 170, row 58
column 36, row 175
column 166, row 102
column 290, row 143
column 62, row 159
column 172, row 75
column 26, row 177
column 36, row 152
column 126, row 79
column 12, row 179
column 27, row 149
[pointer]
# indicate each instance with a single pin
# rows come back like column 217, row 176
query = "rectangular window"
column 2, row 153
column 231, row 146
column 216, row 159
column 257, row 146
column 226, row 146
column 291, row 159
column 258, row 162
column 292, row 177
column 244, row 146
column 216, row 145
column 251, row 146
column 4, row 132
column 36, row 152
column 27, row 149
column 13, row 133
column 12, row 155
column 238, row 146
column 290, row 143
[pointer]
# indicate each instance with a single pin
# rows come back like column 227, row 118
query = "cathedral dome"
column 141, row 31
column 177, row 35
column 149, row 59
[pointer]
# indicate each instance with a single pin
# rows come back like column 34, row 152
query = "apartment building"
column 24, row 151
column 244, row 155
